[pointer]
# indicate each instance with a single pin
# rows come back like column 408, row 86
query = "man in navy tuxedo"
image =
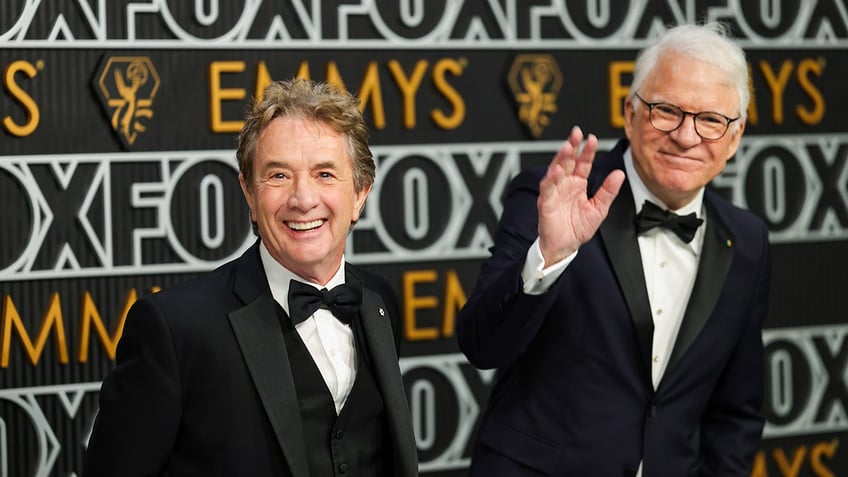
column 623, row 301
column 282, row 362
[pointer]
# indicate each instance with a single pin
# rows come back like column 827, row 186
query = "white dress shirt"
column 329, row 341
column 670, row 266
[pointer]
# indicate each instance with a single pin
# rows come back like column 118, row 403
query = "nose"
column 686, row 135
column 304, row 193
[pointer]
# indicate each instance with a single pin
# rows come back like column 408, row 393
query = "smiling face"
column 676, row 165
column 302, row 195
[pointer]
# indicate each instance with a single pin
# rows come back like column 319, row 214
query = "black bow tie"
column 343, row 300
column 652, row 216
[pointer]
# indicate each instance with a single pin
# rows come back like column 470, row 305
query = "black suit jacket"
column 203, row 385
column 574, row 395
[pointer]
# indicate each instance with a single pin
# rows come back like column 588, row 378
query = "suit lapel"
column 257, row 329
column 716, row 255
column 619, row 235
column 259, row 335
column 376, row 327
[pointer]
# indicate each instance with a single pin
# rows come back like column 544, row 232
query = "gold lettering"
column 334, row 76
column 823, row 448
column 760, row 469
column 816, row 113
column 371, row 93
column 618, row 90
column 753, row 114
column 32, row 112
column 777, row 85
column 263, row 79
column 52, row 320
column 454, row 300
column 408, row 87
column 412, row 303
column 795, row 467
column 788, row 469
column 217, row 94
column 303, row 71
column 91, row 315
column 450, row 93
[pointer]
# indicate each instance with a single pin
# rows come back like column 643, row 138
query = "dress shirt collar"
column 641, row 194
column 278, row 277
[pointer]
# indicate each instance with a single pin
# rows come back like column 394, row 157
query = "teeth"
column 305, row 225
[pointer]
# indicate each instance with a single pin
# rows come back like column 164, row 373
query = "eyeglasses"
column 668, row 117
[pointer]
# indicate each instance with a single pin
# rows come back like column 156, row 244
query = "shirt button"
column 662, row 264
column 333, row 353
column 659, row 311
column 342, row 468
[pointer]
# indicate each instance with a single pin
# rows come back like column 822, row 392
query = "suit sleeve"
column 499, row 320
column 732, row 424
column 139, row 415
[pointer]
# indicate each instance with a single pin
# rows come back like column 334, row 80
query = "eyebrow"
column 327, row 164
column 654, row 103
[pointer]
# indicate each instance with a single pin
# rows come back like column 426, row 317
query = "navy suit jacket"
column 203, row 385
column 573, row 395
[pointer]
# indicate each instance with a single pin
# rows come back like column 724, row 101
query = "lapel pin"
column 381, row 311
column 729, row 243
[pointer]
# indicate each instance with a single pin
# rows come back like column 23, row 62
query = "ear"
column 629, row 111
column 735, row 140
column 359, row 202
column 248, row 195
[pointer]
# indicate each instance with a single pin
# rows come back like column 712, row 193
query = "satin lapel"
column 618, row 232
column 257, row 329
column 716, row 255
column 380, row 341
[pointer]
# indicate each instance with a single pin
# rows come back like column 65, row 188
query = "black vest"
column 355, row 443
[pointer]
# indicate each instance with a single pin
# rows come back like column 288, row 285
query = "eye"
column 667, row 109
column 277, row 176
column 712, row 119
column 326, row 174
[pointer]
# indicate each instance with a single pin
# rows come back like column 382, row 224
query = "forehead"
column 290, row 137
column 691, row 84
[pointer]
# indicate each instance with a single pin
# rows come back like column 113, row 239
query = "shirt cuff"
column 538, row 280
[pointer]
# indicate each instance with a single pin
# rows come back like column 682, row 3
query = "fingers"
column 584, row 161
column 575, row 137
column 606, row 194
column 549, row 185
column 565, row 156
column 571, row 158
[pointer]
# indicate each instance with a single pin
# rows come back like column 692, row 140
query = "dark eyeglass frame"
column 683, row 114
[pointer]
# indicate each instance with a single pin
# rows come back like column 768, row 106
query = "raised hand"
column 568, row 218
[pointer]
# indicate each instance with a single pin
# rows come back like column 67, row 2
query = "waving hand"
column 567, row 216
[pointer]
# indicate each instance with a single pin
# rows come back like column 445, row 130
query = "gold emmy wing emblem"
column 535, row 81
column 127, row 86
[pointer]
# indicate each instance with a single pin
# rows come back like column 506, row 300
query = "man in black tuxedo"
column 253, row 369
column 627, row 339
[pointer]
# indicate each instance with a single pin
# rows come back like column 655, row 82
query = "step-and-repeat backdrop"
column 118, row 123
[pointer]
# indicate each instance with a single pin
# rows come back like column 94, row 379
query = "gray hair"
column 709, row 43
